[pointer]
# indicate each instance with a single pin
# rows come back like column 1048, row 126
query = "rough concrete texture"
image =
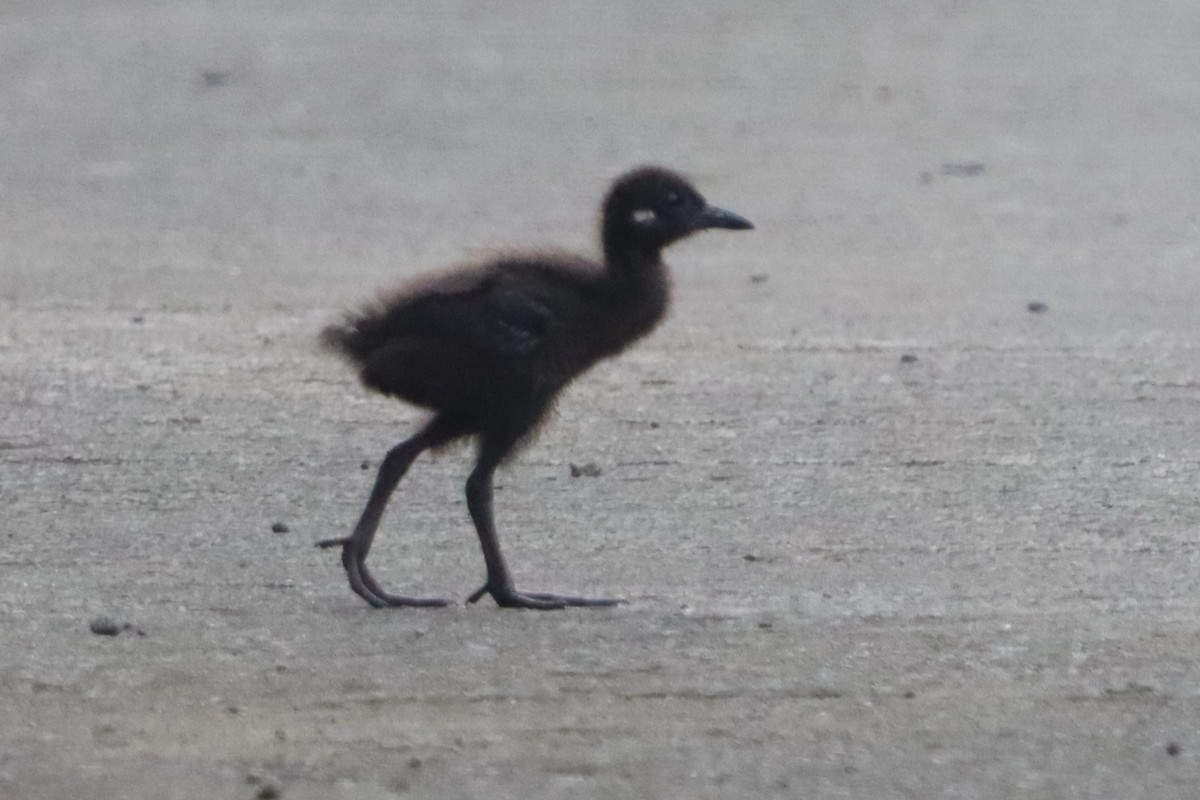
column 851, row 574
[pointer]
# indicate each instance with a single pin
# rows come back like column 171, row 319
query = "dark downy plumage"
column 487, row 348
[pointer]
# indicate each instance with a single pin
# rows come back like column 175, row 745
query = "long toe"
column 363, row 583
column 574, row 600
column 522, row 600
column 404, row 601
column 542, row 601
column 366, row 587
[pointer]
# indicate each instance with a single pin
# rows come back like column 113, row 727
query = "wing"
column 506, row 309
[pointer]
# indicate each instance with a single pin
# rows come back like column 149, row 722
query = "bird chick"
column 487, row 348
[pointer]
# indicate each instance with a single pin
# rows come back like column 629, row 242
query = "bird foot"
column 354, row 559
column 542, row 601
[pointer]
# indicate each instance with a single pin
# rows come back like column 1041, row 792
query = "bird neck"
column 637, row 291
column 631, row 268
column 622, row 262
column 636, row 278
column 623, row 246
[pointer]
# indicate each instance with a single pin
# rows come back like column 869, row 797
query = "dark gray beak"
column 713, row 217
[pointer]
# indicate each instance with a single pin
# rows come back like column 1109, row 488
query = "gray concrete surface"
column 975, row 575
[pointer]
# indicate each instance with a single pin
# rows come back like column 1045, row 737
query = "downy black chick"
column 488, row 347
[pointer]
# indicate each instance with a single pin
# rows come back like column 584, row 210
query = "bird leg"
column 499, row 580
column 356, row 546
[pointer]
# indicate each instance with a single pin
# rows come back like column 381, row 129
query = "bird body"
column 487, row 348
column 520, row 325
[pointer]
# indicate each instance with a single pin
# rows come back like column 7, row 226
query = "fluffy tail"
column 355, row 337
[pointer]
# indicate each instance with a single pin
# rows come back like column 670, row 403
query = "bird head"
column 651, row 207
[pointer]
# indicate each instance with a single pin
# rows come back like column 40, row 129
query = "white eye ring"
column 644, row 216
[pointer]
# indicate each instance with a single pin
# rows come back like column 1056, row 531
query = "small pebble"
column 751, row 557
column 1172, row 748
column 365, row 465
column 215, row 78
column 589, row 470
column 910, row 694
column 760, row 278
column 280, row 527
column 138, row 318
column 1036, row 307
column 908, row 358
column 963, row 169
column 104, row 626
column 267, row 791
